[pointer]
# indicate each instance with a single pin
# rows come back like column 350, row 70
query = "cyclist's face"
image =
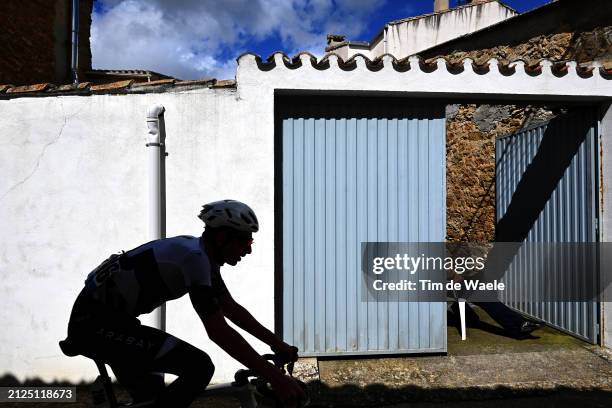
column 236, row 247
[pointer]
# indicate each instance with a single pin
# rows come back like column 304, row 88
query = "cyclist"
column 104, row 325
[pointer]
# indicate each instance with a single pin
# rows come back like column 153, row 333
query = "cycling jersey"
column 138, row 281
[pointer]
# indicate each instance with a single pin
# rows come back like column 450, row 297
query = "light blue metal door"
column 552, row 170
column 357, row 170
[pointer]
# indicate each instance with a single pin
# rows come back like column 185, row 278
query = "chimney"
column 440, row 5
column 334, row 39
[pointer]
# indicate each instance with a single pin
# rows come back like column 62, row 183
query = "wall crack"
column 40, row 156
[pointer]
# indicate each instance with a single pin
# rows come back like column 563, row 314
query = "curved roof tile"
column 531, row 68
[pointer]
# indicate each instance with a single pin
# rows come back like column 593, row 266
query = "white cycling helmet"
column 229, row 213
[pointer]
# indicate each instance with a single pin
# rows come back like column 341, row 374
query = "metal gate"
column 547, row 175
column 354, row 170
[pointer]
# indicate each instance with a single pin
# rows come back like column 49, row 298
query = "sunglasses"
column 246, row 241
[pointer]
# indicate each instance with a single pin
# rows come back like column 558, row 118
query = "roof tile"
column 30, row 88
column 112, row 85
column 65, row 88
column 168, row 81
column 225, row 83
column 81, row 86
column 205, row 81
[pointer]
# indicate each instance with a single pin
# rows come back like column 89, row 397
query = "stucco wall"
column 606, row 213
column 74, row 186
column 378, row 47
column 535, row 28
column 413, row 36
column 74, row 189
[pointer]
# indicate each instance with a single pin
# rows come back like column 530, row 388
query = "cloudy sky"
column 192, row 39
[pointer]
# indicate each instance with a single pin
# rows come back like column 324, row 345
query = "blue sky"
column 193, row 39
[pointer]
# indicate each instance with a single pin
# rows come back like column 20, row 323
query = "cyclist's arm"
column 234, row 344
column 245, row 320
column 207, row 307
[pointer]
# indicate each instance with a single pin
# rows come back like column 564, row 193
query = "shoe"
column 525, row 329
column 528, row 326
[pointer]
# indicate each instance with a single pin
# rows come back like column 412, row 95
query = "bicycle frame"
column 106, row 396
column 243, row 393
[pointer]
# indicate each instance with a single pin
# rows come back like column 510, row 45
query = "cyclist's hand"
column 288, row 391
column 286, row 352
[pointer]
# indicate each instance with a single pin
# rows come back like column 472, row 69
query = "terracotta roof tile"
column 112, row 85
column 205, row 81
column 168, row 81
column 80, row 88
column 65, row 88
column 225, row 83
column 30, row 88
column 329, row 61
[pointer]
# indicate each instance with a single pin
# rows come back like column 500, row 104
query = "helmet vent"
column 229, row 213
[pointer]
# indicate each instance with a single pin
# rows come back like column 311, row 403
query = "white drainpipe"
column 157, row 187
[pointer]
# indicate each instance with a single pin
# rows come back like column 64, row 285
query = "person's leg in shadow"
column 513, row 323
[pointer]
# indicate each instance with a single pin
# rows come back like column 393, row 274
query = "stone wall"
column 472, row 129
column 582, row 47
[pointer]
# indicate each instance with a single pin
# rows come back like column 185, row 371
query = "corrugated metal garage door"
column 357, row 170
column 555, row 160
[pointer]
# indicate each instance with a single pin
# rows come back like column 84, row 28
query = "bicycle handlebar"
column 261, row 385
column 242, row 376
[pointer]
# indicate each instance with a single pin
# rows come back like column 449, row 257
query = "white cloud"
column 187, row 38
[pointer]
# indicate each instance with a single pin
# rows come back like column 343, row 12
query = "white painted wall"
column 606, row 214
column 378, row 47
column 343, row 52
column 411, row 37
column 414, row 82
column 74, row 190
column 73, row 187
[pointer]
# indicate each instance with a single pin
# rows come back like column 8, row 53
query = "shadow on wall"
column 541, row 177
column 471, row 134
column 560, row 143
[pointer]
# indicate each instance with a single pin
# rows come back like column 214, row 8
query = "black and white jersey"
column 138, row 281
